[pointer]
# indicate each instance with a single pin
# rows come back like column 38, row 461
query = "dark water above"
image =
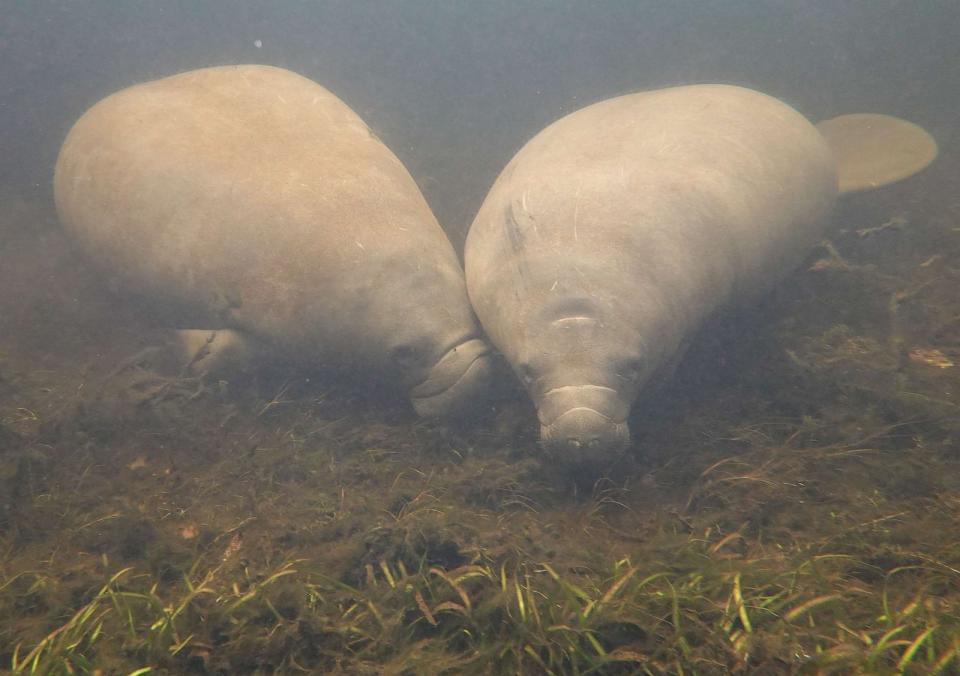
column 455, row 90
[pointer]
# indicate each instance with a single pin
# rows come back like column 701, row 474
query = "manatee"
column 263, row 209
column 618, row 230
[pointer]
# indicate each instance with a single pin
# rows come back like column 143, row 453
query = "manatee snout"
column 456, row 381
column 584, row 435
column 584, row 424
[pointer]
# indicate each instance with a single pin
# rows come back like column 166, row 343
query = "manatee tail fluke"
column 876, row 150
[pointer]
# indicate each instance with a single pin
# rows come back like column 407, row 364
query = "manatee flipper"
column 214, row 353
column 872, row 151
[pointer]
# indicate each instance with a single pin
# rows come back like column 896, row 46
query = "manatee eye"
column 407, row 354
column 629, row 369
column 525, row 371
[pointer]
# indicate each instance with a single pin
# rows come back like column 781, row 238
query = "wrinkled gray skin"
column 255, row 200
column 619, row 229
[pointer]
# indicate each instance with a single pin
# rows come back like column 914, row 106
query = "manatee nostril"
column 593, row 444
column 573, row 443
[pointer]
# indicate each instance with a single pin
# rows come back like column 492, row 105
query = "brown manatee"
column 258, row 203
column 618, row 230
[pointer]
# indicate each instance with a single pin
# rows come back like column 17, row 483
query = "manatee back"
column 259, row 200
column 680, row 199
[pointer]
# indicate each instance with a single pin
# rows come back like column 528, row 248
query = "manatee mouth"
column 584, row 429
column 583, row 423
column 455, row 382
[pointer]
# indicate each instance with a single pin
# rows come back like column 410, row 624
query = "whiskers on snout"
column 584, row 435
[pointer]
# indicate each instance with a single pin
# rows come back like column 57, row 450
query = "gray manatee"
column 620, row 229
column 256, row 202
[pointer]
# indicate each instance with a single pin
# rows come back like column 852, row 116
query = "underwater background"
column 790, row 503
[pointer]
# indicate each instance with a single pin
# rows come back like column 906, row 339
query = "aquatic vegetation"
column 722, row 603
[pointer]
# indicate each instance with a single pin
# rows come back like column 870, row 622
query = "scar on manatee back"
column 517, row 240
